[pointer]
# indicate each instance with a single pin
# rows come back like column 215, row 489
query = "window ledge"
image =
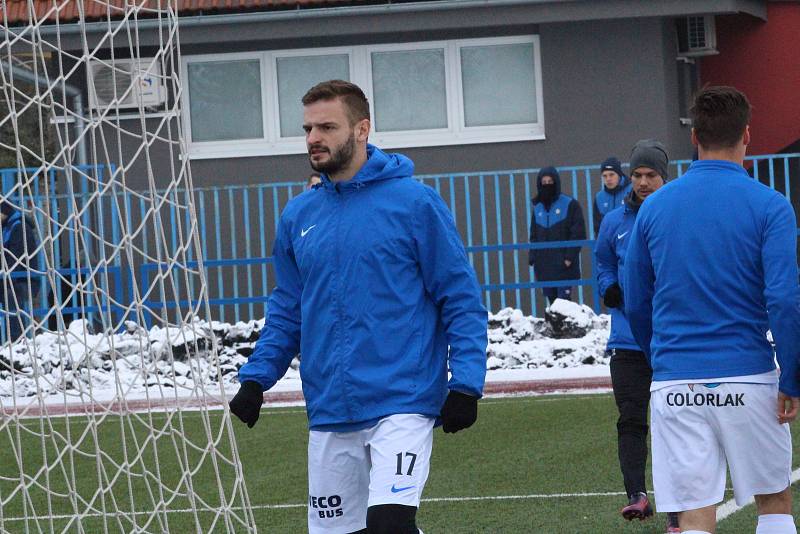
column 239, row 149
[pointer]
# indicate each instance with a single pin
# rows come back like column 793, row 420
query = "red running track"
column 526, row 387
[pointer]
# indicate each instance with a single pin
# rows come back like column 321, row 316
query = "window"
column 499, row 86
column 421, row 94
column 409, row 91
column 226, row 100
column 295, row 76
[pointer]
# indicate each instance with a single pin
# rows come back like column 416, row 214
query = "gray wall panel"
column 605, row 85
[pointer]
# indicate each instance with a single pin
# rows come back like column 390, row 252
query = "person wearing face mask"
column 630, row 369
column 555, row 217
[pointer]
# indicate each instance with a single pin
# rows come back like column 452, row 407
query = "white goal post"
column 111, row 383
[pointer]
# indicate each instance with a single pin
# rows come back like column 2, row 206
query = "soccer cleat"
column 672, row 523
column 638, row 507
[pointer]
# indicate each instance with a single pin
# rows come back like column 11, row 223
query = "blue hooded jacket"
column 711, row 265
column 607, row 200
column 609, row 252
column 373, row 284
column 559, row 220
column 19, row 244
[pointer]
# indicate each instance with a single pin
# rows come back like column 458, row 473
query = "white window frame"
column 457, row 133
column 411, row 138
column 233, row 147
column 274, row 110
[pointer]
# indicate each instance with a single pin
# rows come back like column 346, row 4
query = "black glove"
column 246, row 404
column 459, row 411
column 613, row 296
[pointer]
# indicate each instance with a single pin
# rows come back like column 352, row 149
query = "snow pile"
column 80, row 363
column 179, row 360
column 570, row 335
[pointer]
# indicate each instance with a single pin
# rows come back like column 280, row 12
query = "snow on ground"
column 77, row 365
column 570, row 335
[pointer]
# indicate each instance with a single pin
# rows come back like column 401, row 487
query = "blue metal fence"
column 60, row 200
column 492, row 211
column 236, row 226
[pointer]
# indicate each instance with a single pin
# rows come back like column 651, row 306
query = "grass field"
column 536, row 464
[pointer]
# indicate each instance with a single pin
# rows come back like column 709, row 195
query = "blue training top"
column 712, row 264
column 609, row 251
column 374, row 288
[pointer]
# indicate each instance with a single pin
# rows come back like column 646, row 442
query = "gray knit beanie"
column 650, row 153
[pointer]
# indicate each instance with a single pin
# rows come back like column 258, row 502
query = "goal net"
column 111, row 380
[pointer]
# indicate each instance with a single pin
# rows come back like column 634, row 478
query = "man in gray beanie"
column 650, row 153
column 630, row 368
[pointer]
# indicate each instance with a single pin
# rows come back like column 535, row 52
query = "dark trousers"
column 553, row 293
column 630, row 377
column 17, row 303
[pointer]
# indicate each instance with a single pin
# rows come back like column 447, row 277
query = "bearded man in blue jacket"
column 711, row 266
column 373, row 286
column 19, row 285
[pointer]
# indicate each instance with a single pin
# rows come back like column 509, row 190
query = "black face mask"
column 547, row 193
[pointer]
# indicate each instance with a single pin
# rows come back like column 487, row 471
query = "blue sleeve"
column 597, row 216
column 605, row 255
column 451, row 282
column 781, row 292
column 14, row 248
column 638, row 285
column 280, row 338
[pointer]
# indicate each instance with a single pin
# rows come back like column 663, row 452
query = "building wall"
column 760, row 58
column 606, row 84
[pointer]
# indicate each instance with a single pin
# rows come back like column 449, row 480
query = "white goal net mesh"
column 110, row 378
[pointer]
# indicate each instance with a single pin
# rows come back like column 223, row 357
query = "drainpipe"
column 69, row 90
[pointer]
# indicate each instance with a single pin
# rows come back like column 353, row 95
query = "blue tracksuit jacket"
column 20, row 244
column 562, row 220
column 373, row 284
column 712, row 264
column 607, row 200
column 609, row 252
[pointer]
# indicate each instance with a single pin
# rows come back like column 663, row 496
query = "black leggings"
column 390, row 519
column 631, row 376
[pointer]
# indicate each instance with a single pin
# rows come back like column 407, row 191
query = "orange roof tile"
column 22, row 11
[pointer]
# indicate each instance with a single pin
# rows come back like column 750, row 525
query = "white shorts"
column 350, row 471
column 697, row 428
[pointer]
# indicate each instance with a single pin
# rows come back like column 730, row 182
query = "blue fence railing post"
column 499, row 253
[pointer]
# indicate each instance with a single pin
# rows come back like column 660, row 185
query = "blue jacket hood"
column 547, row 171
column 624, row 182
column 379, row 166
column 374, row 288
column 613, row 164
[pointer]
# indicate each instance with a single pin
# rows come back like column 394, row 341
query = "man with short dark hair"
column 711, row 266
column 373, row 287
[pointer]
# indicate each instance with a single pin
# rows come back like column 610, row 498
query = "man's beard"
column 340, row 157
